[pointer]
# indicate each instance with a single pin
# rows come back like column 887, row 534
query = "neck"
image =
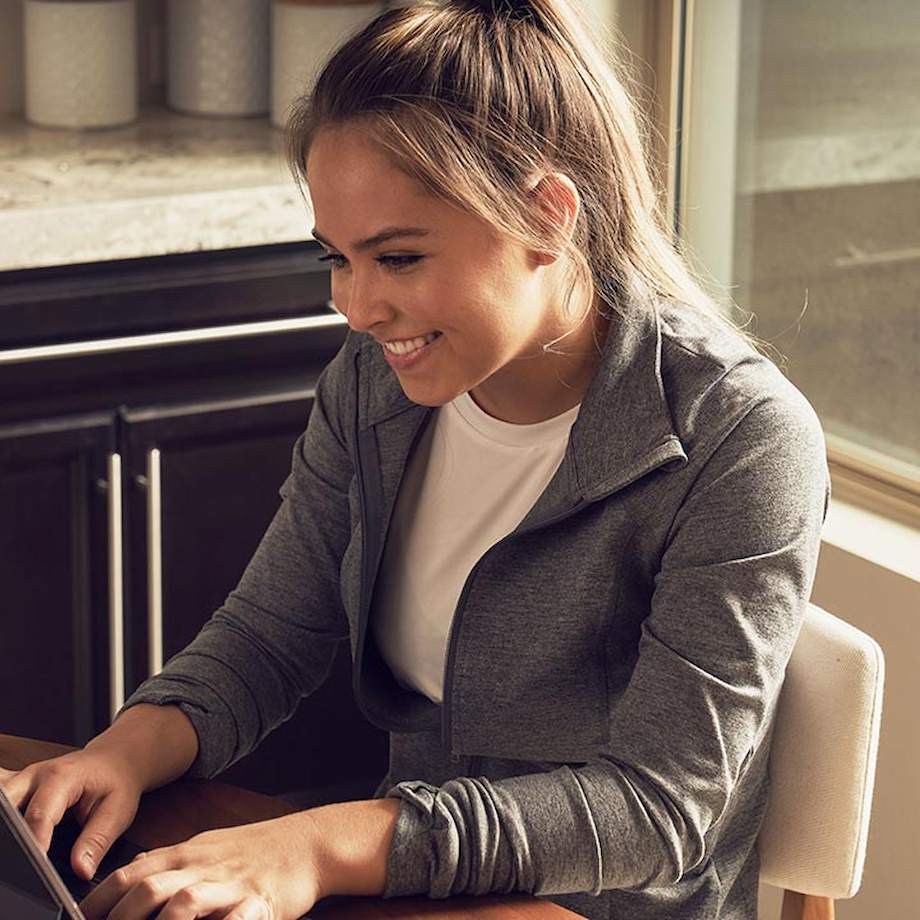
column 531, row 390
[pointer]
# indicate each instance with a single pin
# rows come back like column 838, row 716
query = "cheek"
column 338, row 291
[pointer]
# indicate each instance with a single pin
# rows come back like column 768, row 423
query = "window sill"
column 871, row 536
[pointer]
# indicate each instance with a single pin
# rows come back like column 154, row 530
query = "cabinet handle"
column 154, row 565
column 161, row 339
column 116, row 603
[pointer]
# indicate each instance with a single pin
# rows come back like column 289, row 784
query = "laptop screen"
column 26, row 891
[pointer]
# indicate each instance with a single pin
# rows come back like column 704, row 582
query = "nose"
column 361, row 306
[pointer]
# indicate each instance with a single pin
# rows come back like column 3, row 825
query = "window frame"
column 660, row 32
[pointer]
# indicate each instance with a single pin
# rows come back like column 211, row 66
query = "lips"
column 404, row 360
column 407, row 346
column 409, row 338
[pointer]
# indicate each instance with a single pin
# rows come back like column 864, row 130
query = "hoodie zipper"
column 461, row 604
column 446, row 722
column 364, row 613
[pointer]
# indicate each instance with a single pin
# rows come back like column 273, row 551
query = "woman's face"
column 492, row 302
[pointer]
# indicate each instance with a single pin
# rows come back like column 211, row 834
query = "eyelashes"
column 394, row 263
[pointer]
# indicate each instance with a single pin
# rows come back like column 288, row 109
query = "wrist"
column 157, row 744
column 350, row 845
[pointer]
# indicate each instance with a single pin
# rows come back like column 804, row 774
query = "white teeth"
column 406, row 346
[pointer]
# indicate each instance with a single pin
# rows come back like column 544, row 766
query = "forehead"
column 356, row 189
column 344, row 165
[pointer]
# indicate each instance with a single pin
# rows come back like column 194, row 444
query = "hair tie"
column 509, row 9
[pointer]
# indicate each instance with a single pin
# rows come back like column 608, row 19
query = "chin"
column 427, row 401
column 421, row 398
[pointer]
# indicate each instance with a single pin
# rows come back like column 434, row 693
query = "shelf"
column 168, row 183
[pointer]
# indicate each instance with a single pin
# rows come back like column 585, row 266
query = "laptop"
column 35, row 886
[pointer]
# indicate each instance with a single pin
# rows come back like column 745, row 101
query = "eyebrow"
column 388, row 233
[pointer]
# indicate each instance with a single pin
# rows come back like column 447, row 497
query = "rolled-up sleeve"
column 274, row 639
column 729, row 598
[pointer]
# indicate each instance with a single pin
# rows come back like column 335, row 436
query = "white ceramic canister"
column 10, row 56
column 80, row 63
column 304, row 36
column 218, row 56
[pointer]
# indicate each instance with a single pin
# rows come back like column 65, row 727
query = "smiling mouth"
column 407, row 346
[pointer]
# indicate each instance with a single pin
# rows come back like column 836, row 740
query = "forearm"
column 352, row 845
column 159, row 743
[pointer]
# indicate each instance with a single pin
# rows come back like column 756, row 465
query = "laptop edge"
column 23, row 833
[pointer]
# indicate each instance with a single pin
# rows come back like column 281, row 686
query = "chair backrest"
column 822, row 760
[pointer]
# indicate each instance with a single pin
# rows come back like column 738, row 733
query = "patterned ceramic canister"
column 304, row 36
column 80, row 63
column 218, row 56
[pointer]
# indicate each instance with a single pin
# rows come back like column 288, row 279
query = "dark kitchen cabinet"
column 148, row 410
column 54, row 566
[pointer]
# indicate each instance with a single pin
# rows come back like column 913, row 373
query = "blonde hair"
column 474, row 100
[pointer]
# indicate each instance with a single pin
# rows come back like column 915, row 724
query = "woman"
column 567, row 515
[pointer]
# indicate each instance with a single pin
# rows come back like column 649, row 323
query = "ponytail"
column 474, row 98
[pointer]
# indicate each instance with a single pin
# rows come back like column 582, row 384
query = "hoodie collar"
column 624, row 427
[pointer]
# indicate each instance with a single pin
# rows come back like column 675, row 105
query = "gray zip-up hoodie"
column 613, row 663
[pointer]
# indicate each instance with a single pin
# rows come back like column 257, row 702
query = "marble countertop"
column 168, row 183
column 173, row 183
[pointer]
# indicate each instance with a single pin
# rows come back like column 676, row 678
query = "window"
column 792, row 154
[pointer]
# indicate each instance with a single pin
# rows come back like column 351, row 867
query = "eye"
column 394, row 263
column 330, row 257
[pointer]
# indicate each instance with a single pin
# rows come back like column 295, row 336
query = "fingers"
column 51, row 795
column 176, row 893
column 47, row 805
column 105, row 825
column 104, row 807
column 42, row 794
column 139, row 882
column 251, row 909
column 204, row 898
column 16, row 785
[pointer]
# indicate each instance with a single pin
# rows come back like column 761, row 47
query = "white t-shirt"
column 470, row 481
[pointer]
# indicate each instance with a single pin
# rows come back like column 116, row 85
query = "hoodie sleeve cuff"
column 210, row 717
column 409, row 860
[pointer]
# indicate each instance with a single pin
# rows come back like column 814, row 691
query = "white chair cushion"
column 822, row 760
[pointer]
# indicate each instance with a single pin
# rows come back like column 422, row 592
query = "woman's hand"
column 98, row 784
column 262, row 871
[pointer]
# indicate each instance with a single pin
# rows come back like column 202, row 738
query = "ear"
column 558, row 199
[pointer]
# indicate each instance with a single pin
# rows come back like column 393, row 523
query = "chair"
column 822, row 765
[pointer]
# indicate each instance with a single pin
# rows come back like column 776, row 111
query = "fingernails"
column 87, row 862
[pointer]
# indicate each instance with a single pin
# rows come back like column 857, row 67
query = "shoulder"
column 755, row 445
column 713, row 378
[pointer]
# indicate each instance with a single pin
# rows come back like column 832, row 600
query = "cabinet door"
column 202, row 482
column 56, row 535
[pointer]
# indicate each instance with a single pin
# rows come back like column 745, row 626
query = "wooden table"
column 174, row 813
